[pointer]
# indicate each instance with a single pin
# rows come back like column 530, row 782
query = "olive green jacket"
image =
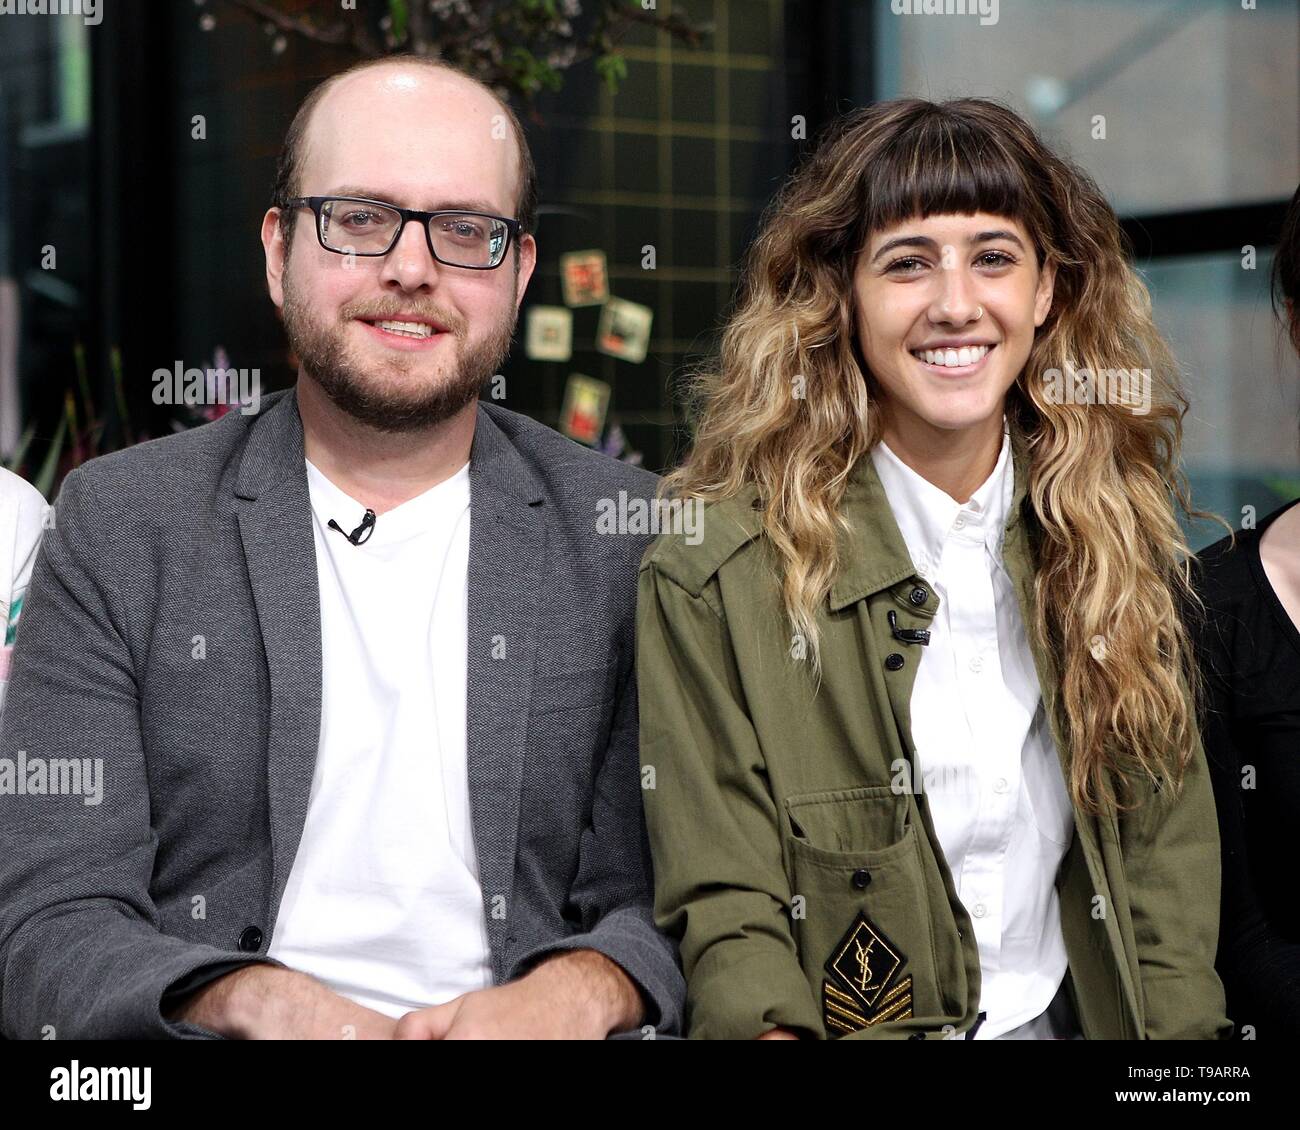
column 795, row 859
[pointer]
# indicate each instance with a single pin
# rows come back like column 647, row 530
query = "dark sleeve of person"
column 1260, row 969
column 614, row 886
column 82, row 955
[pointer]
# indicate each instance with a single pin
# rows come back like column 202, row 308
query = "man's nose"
column 408, row 264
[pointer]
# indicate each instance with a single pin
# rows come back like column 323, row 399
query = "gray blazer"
column 176, row 876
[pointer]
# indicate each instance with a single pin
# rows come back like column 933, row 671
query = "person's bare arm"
column 262, row 1002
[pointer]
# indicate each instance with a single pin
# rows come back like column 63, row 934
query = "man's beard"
column 323, row 353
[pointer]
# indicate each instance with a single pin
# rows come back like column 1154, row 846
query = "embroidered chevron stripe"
column 841, row 1012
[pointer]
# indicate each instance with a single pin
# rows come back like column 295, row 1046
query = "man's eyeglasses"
column 353, row 225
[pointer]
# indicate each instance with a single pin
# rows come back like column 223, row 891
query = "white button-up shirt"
column 985, row 758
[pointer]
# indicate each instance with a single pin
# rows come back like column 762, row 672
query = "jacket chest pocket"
column 861, row 915
column 572, row 690
column 569, row 718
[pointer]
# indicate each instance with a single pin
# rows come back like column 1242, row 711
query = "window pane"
column 1244, row 382
column 1201, row 99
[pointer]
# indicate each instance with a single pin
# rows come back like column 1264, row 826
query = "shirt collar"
column 926, row 514
column 873, row 554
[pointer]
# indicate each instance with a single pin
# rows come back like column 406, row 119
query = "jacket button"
column 917, row 596
column 893, row 661
column 862, row 878
column 250, row 941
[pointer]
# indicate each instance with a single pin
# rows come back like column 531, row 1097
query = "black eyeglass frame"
column 514, row 228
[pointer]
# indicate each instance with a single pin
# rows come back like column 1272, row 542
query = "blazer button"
column 250, row 941
column 893, row 661
column 862, row 878
column 917, row 596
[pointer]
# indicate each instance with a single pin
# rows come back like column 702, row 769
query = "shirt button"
column 977, row 664
column 893, row 661
column 979, row 910
column 917, row 596
column 959, row 523
column 1000, row 785
column 861, row 878
column 250, row 941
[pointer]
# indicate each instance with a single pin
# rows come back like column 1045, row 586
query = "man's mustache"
column 390, row 312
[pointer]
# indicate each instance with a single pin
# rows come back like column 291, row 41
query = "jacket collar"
column 274, row 454
column 873, row 555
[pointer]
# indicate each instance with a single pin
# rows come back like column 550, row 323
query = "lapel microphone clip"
column 362, row 533
column 907, row 635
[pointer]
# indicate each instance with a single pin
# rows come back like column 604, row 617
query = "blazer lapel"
column 507, row 546
column 275, row 524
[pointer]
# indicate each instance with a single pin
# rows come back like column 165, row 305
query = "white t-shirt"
column 984, row 749
column 383, row 902
column 22, row 521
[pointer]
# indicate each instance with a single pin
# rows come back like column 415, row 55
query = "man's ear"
column 527, row 261
column 1043, row 295
column 273, row 246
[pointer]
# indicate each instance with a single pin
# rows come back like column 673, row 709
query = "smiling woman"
column 947, row 310
column 1016, row 249
column 920, row 562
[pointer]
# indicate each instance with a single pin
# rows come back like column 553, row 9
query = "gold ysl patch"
column 861, row 991
column 864, row 962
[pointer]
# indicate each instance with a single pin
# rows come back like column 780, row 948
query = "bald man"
column 357, row 670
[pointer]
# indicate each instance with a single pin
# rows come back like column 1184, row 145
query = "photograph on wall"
column 624, row 329
column 548, row 333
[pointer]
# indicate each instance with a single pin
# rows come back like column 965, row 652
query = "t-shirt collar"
column 414, row 516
